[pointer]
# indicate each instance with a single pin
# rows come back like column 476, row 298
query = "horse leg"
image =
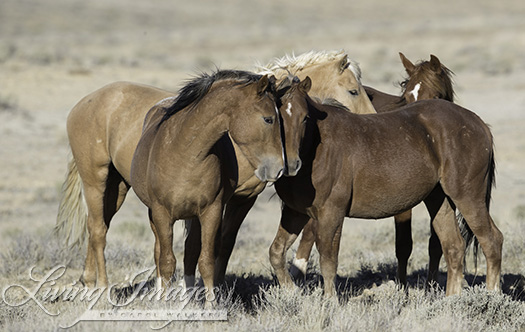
column 489, row 236
column 162, row 226
column 233, row 217
column 300, row 262
column 328, row 239
column 403, row 223
column 192, row 250
column 158, row 280
column 210, row 223
column 472, row 198
column 442, row 214
column 434, row 253
column 292, row 222
column 105, row 191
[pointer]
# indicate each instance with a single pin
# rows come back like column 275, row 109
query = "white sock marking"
column 301, row 264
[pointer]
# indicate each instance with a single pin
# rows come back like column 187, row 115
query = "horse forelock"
column 194, row 90
column 291, row 64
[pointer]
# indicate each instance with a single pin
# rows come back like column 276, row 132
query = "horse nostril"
column 299, row 164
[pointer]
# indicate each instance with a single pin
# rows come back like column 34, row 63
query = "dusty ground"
column 53, row 53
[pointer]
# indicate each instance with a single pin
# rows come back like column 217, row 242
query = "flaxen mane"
column 292, row 64
column 193, row 92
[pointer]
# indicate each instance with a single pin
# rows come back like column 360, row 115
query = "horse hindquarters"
column 469, row 185
column 473, row 203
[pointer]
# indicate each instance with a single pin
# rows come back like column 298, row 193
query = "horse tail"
column 466, row 232
column 71, row 225
column 470, row 239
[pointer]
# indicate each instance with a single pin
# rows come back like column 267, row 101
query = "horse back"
column 383, row 102
column 108, row 122
column 383, row 164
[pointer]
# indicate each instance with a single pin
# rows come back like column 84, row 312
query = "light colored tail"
column 72, row 215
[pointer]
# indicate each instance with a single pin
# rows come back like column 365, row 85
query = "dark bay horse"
column 426, row 80
column 186, row 166
column 379, row 165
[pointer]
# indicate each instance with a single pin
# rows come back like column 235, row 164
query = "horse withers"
column 445, row 150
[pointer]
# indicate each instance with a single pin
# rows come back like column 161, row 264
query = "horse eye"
column 353, row 92
column 268, row 120
column 306, row 118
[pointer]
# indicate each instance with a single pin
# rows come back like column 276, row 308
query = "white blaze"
column 289, row 109
column 415, row 92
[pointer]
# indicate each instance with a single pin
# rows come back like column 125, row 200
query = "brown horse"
column 104, row 129
column 333, row 74
column 426, row 80
column 185, row 164
column 445, row 150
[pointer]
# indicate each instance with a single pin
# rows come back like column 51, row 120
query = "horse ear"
column 435, row 64
column 409, row 66
column 305, row 84
column 344, row 63
column 262, row 85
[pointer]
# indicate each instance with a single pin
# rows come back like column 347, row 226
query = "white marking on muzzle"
column 415, row 91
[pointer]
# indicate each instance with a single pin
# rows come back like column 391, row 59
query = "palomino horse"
column 426, row 80
column 445, row 150
column 104, row 129
column 185, row 164
column 333, row 75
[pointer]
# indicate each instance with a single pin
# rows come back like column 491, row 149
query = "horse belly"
column 382, row 195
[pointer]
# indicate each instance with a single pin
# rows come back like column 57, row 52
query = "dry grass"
column 368, row 299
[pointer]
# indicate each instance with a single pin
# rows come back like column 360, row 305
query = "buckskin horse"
column 186, row 165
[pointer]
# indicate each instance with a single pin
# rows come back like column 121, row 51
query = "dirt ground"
column 52, row 53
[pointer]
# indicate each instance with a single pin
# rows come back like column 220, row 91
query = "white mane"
column 291, row 64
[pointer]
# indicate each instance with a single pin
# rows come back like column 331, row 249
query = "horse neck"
column 384, row 102
column 201, row 128
column 311, row 138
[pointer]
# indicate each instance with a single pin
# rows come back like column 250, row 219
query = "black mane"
column 193, row 92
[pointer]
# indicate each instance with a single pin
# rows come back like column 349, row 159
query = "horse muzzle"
column 292, row 167
column 270, row 170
